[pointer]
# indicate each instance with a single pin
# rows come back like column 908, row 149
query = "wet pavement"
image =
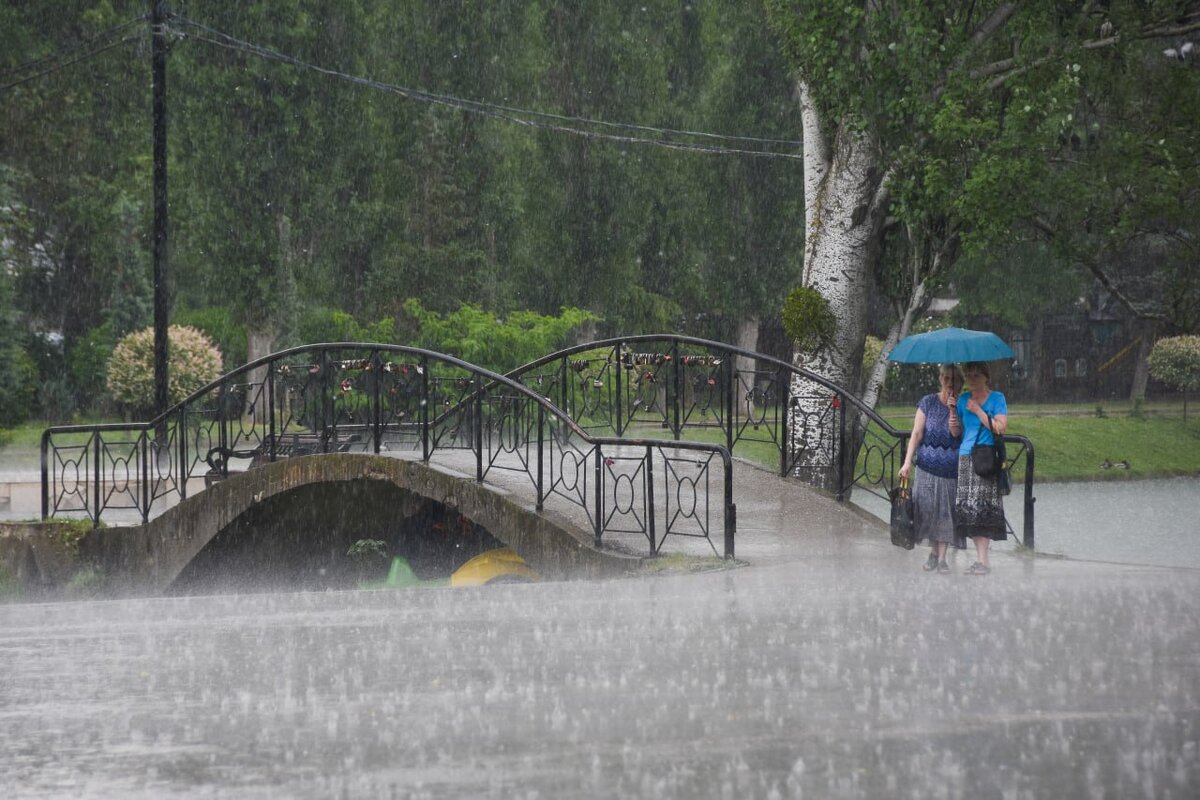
column 831, row 666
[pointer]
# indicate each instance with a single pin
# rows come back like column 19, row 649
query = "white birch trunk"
column 843, row 218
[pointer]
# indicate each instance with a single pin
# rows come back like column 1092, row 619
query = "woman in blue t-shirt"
column 933, row 450
column 978, row 509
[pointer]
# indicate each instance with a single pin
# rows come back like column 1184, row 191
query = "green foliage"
column 88, row 581
column 18, row 373
column 807, row 319
column 871, row 352
column 479, row 337
column 331, row 325
column 193, row 361
column 365, row 550
column 87, row 364
column 218, row 324
column 56, row 400
column 18, row 393
column 9, row 588
column 1176, row 362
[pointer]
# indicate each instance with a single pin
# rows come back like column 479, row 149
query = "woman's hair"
column 978, row 366
column 951, row 368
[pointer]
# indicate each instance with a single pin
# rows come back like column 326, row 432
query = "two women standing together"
column 952, row 503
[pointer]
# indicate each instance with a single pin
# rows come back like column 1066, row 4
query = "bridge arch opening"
column 335, row 535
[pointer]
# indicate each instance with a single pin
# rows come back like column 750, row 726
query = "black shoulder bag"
column 991, row 460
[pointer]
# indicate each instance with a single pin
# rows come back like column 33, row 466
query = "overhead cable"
column 526, row 117
column 92, row 46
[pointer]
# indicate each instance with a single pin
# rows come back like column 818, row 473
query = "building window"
column 1080, row 367
column 1060, row 368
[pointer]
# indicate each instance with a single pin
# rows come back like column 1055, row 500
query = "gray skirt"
column 978, row 508
column 933, row 509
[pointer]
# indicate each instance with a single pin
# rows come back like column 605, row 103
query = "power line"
column 536, row 119
column 97, row 44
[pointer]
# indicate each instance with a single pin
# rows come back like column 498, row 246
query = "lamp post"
column 161, row 287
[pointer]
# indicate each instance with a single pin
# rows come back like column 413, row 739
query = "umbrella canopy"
column 950, row 345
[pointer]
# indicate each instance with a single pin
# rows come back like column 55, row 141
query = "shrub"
column 330, row 325
column 480, row 337
column 18, row 388
column 87, row 360
column 193, row 361
column 808, row 319
column 218, row 324
column 1176, row 362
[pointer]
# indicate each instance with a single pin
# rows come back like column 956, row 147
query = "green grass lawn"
column 1070, row 442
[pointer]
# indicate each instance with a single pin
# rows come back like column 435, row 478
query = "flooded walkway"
column 830, row 667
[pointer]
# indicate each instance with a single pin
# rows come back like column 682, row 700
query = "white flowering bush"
column 192, row 361
column 1176, row 361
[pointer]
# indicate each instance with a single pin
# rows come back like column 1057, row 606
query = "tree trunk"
column 259, row 342
column 844, row 221
column 1148, row 329
column 747, row 339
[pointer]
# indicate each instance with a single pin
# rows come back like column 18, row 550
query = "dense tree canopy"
column 999, row 131
column 348, row 156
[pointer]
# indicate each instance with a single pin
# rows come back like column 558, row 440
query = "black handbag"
column 988, row 459
column 904, row 529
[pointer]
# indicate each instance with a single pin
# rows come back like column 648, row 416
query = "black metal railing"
column 694, row 387
column 349, row 397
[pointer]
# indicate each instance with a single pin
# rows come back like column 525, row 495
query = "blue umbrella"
column 950, row 345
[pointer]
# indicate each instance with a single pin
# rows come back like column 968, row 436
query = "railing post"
column 785, row 407
column 730, row 511
column 617, row 411
column 376, row 402
column 96, row 478
column 478, row 432
column 1029, row 498
column 650, row 510
column 181, row 444
column 731, row 380
column 327, row 384
column 425, row 401
column 271, row 438
column 222, row 427
column 45, row 473
column 541, row 447
column 562, row 384
column 145, row 451
column 675, row 380
column 599, row 494
column 840, row 451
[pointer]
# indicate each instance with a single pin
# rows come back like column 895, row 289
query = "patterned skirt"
column 933, row 509
column 978, row 508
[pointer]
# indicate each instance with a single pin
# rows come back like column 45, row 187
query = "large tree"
column 954, row 123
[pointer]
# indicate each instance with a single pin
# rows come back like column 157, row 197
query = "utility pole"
column 161, row 273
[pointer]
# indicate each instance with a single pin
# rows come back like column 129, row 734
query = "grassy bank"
column 1071, row 442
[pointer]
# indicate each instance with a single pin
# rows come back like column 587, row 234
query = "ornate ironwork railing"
column 694, row 388
column 347, row 397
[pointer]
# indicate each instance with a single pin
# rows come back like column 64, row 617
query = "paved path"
column 832, row 667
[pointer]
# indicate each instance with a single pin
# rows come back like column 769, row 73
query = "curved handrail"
column 709, row 343
column 864, row 410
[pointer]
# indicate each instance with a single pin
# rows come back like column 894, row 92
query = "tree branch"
column 1093, row 266
column 1007, row 68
